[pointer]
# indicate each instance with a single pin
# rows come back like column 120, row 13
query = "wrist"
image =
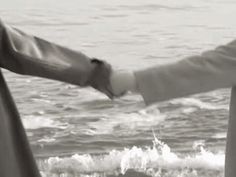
column 130, row 81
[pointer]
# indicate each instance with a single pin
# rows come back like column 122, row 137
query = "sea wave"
column 128, row 123
column 194, row 102
column 157, row 161
column 36, row 122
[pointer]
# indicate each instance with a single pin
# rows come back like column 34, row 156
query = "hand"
column 123, row 81
column 110, row 82
column 100, row 77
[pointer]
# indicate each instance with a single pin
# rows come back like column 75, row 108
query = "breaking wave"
column 157, row 161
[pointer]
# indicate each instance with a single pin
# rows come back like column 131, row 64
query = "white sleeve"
column 211, row 70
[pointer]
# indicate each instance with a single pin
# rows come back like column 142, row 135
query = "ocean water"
column 78, row 132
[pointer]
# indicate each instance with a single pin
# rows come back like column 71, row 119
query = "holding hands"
column 112, row 83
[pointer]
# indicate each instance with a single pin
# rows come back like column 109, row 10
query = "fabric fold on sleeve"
column 26, row 54
column 209, row 71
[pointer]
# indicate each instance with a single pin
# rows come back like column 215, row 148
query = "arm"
column 30, row 55
column 209, row 71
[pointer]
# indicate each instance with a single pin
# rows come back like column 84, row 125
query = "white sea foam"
column 42, row 100
column 47, row 140
column 150, row 160
column 188, row 110
column 220, row 135
column 36, row 122
column 198, row 103
column 143, row 119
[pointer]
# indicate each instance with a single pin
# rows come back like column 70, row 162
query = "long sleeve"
column 29, row 55
column 211, row 70
column 26, row 54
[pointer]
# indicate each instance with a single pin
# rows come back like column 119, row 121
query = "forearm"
column 212, row 70
column 26, row 54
